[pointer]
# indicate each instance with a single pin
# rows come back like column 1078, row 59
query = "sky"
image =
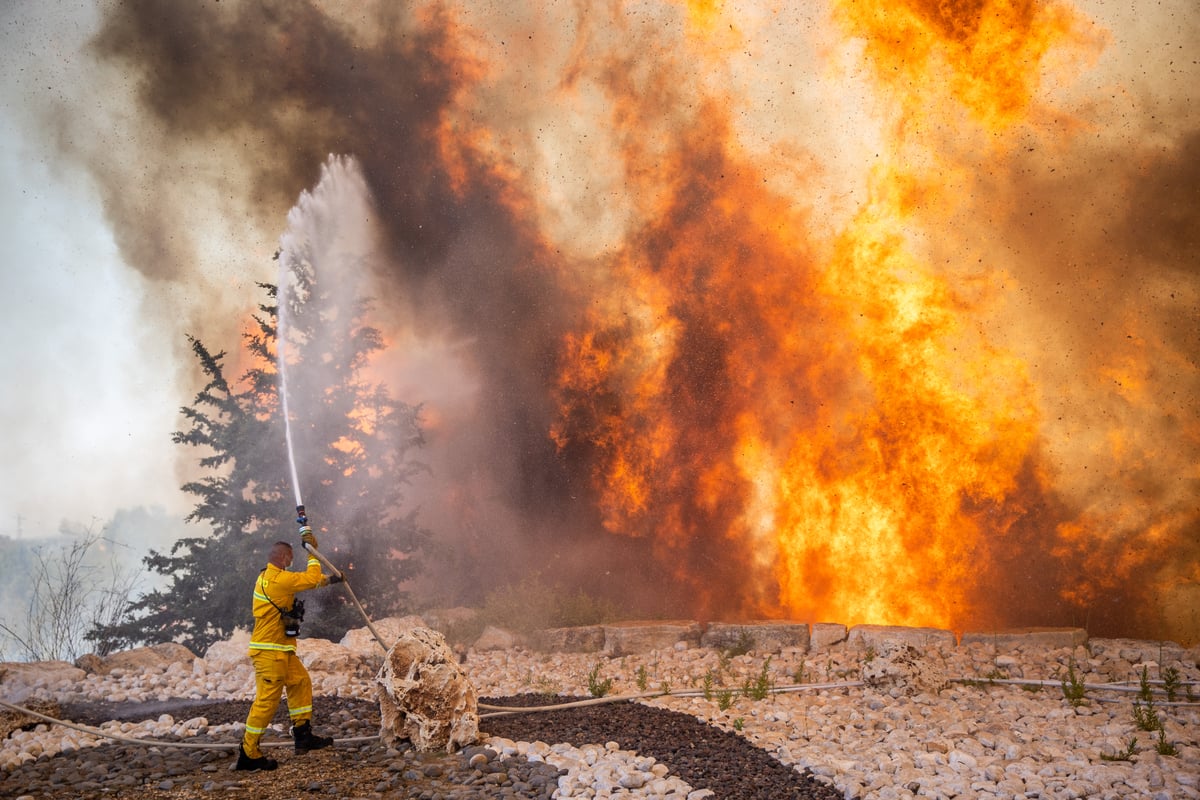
column 866, row 212
column 90, row 393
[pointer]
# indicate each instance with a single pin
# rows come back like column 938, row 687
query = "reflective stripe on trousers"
column 274, row 672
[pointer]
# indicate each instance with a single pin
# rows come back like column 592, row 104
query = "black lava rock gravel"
column 702, row 755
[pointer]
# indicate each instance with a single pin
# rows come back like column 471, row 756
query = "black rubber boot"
column 307, row 740
column 247, row 763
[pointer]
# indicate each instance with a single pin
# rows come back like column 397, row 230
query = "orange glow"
column 830, row 415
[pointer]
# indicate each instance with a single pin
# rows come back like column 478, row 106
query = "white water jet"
column 330, row 228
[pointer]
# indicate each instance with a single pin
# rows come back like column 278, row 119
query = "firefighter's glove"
column 335, row 579
column 306, row 536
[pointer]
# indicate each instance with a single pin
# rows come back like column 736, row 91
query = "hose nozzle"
column 301, row 517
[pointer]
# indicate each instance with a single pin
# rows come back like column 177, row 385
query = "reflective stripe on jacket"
column 280, row 586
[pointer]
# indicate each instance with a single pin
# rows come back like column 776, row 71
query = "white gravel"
column 887, row 740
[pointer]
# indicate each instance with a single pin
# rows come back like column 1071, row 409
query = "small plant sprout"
column 1164, row 747
column 1144, row 714
column 1124, row 755
column 642, row 678
column 869, row 656
column 759, row 687
column 597, row 686
column 799, row 674
column 1144, row 691
column 738, row 724
column 1171, row 683
column 707, row 685
column 665, row 687
column 1146, row 717
column 725, row 699
column 544, row 687
column 1072, row 685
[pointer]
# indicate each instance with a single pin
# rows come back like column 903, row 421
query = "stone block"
column 625, row 638
column 1137, row 651
column 825, row 635
column 584, row 639
column 1017, row 638
column 762, row 636
column 924, row 640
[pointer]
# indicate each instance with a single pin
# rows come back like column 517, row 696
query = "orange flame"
column 829, row 422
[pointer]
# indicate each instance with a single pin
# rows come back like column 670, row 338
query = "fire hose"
column 496, row 711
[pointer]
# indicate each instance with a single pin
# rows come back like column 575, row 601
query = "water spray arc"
column 301, row 512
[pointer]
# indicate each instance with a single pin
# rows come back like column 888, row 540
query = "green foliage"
column 1171, row 683
column 738, row 724
column 1145, row 716
column 707, row 685
column 353, row 447
column 597, row 686
column 1163, row 747
column 725, row 698
column 642, row 678
column 760, row 686
column 800, row 674
column 1073, row 686
column 545, row 688
column 1125, row 755
column 1145, row 691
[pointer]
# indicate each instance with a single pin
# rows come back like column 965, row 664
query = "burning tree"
column 353, row 445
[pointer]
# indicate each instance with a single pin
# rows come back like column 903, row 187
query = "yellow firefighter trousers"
column 274, row 671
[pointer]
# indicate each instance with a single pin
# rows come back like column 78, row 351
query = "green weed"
column 642, row 679
column 597, row 686
column 1164, row 747
column 1171, row 683
column 1125, row 755
column 759, row 687
column 1072, row 686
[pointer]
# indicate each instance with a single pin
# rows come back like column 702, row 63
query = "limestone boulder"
column 901, row 669
column 362, row 642
column 425, row 696
column 19, row 680
column 494, row 638
column 12, row 720
column 324, row 656
column 139, row 659
column 229, row 654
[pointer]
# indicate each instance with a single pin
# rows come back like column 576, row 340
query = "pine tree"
column 354, row 449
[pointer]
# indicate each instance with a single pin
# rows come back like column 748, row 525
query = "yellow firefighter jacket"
column 279, row 586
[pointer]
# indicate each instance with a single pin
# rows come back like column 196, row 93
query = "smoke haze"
column 713, row 307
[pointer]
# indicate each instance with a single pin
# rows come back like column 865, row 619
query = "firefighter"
column 277, row 616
